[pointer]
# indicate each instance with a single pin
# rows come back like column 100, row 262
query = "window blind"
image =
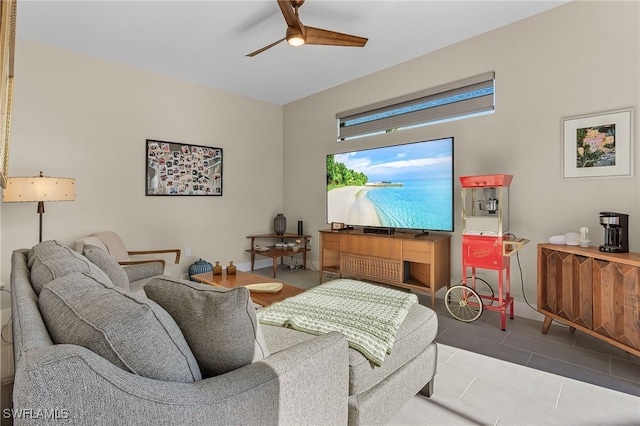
column 458, row 99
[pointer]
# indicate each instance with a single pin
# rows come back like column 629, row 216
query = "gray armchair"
column 111, row 242
column 131, row 275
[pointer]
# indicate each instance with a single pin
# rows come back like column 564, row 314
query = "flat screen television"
column 408, row 186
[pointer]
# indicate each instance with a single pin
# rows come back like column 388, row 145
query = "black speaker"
column 384, row 231
column 300, row 228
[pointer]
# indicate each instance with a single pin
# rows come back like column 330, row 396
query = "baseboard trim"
column 523, row 310
column 259, row 264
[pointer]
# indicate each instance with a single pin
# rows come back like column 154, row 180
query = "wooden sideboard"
column 595, row 292
column 401, row 259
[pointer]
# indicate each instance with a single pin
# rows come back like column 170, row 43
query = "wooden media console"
column 595, row 292
column 400, row 259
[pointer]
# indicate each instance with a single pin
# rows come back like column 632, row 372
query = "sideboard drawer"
column 416, row 251
column 372, row 246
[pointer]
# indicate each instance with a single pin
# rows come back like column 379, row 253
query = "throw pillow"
column 109, row 266
column 132, row 332
column 52, row 260
column 45, row 245
column 219, row 324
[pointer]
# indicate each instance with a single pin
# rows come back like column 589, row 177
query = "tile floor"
column 518, row 376
column 574, row 355
column 474, row 389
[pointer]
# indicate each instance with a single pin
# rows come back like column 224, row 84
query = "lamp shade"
column 39, row 188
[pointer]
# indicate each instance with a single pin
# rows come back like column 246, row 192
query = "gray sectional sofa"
column 88, row 350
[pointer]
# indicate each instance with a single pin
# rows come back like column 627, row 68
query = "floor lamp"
column 39, row 189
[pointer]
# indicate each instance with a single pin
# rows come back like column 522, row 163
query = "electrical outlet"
column 309, row 242
column 187, row 251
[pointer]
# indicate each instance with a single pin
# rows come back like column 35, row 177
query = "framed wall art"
column 176, row 169
column 7, row 51
column 598, row 145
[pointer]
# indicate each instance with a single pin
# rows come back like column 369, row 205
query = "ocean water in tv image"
column 417, row 204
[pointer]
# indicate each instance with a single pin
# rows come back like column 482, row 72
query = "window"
column 464, row 98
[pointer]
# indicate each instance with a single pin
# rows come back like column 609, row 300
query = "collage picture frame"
column 180, row 169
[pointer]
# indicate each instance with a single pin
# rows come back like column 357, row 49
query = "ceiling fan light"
column 295, row 38
column 295, row 41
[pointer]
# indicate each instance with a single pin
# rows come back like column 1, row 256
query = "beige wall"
column 80, row 117
column 576, row 59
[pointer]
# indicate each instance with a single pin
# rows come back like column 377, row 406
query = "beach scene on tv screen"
column 401, row 186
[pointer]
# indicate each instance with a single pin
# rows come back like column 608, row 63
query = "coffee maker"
column 616, row 232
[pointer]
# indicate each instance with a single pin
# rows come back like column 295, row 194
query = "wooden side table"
column 277, row 252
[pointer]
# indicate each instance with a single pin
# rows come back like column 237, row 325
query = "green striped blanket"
column 368, row 315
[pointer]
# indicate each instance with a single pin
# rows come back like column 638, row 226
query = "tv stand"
column 421, row 234
column 402, row 260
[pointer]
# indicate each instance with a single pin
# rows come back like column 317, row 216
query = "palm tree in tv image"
column 339, row 175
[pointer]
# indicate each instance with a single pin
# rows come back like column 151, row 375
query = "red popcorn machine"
column 486, row 244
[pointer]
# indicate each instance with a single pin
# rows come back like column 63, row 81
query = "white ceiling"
column 206, row 41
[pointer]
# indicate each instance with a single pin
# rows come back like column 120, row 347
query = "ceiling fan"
column 298, row 34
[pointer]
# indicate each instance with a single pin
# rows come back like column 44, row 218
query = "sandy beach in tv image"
column 401, row 186
column 352, row 206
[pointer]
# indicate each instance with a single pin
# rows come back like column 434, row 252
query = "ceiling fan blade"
column 290, row 16
column 332, row 38
column 252, row 54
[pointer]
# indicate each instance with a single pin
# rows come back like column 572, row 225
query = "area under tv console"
column 400, row 259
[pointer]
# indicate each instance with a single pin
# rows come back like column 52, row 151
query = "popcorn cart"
column 486, row 244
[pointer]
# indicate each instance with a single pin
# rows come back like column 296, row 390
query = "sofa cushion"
column 108, row 265
column 418, row 330
column 51, row 260
column 132, row 332
column 219, row 324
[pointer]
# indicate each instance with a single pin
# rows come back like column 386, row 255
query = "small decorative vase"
column 231, row 269
column 217, row 270
column 280, row 224
column 199, row 267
